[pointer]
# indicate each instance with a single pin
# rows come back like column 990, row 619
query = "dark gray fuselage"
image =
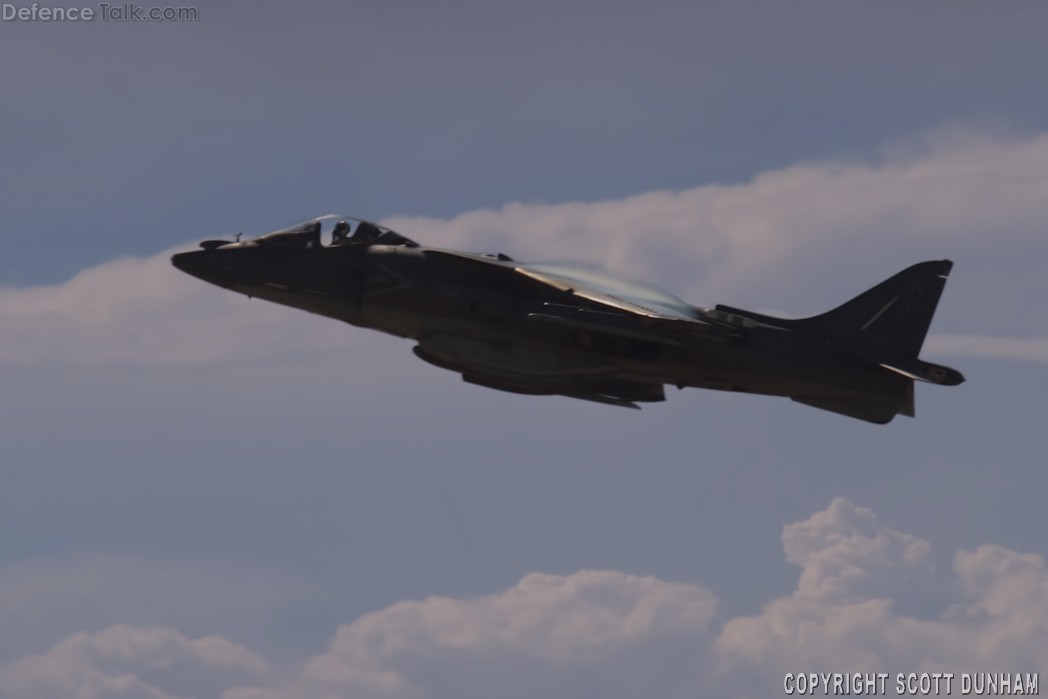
column 477, row 314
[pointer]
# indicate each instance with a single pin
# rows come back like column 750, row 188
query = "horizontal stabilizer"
column 925, row 371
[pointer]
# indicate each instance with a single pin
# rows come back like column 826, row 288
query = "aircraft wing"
column 612, row 305
column 635, row 298
column 598, row 301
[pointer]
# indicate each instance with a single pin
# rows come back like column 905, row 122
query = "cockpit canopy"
column 332, row 231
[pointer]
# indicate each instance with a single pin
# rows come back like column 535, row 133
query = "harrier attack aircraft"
column 573, row 331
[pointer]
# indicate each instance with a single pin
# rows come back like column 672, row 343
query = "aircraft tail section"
column 894, row 315
column 885, row 325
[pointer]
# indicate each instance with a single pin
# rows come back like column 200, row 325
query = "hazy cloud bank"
column 800, row 239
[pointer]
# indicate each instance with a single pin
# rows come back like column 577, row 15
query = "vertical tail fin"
column 893, row 316
column 887, row 324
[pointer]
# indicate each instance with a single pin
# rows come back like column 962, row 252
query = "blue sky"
column 208, row 496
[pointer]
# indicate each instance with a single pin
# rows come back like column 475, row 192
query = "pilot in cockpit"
column 340, row 233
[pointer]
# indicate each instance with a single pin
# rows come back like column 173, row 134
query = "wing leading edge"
column 611, row 305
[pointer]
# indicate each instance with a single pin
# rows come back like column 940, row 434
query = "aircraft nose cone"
column 190, row 262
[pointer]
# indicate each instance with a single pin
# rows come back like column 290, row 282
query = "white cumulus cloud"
column 131, row 662
column 841, row 618
column 610, row 634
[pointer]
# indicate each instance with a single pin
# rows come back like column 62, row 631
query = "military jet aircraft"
column 574, row 331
